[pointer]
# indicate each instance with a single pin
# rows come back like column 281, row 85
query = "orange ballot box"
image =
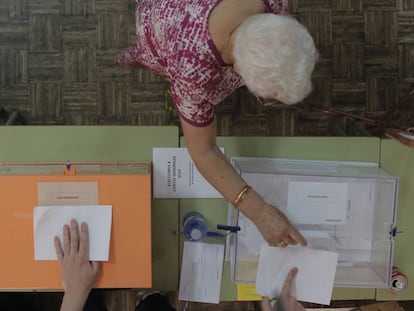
column 126, row 187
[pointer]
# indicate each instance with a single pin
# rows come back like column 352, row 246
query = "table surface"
column 124, row 143
column 106, row 143
column 309, row 148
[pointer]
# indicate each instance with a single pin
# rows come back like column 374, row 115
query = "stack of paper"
column 201, row 271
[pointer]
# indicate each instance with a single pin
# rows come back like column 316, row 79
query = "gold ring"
column 282, row 244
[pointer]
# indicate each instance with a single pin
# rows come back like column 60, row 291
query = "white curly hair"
column 275, row 55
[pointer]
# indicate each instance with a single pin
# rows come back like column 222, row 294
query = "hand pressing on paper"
column 286, row 301
column 77, row 272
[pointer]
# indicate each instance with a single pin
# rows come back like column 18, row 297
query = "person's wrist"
column 74, row 301
column 252, row 205
column 240, row 197
column 77, row 295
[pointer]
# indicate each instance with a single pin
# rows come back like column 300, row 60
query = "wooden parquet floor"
column 57, row 67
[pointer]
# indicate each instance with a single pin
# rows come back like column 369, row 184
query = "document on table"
column 176, row 176
column 314, row 280
column 48, row 222
column 201, row 270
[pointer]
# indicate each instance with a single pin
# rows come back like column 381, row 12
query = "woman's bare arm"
column 218, row 171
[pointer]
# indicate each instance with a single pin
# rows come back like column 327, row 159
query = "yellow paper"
column 247, row 292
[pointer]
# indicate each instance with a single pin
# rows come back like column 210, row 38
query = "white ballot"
column 48, row 222
column 314, row 280
column 317, row 202
column 201, row 270
column 176, row 176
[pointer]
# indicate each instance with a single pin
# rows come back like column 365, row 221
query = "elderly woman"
column 209, row 48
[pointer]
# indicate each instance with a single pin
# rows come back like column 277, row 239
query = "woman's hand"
column 77, row 272
column 218, row 171
column 276, row 229
column 286, row 301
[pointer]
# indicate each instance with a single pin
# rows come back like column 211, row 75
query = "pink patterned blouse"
column 173, row 40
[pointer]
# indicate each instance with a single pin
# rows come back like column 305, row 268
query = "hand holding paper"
column 286, row 301
column 313, row 283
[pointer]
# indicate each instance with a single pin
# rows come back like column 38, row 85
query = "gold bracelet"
column 241, row 196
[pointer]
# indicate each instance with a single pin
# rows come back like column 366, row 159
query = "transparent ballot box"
column 344, row 207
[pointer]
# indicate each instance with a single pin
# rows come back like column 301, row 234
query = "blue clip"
column 213, row 234
column 232, row 229
column 394, row 232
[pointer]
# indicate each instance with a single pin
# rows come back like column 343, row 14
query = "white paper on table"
column 201, row 270
column 176, row 176
column 314, row 280
column 317, row 202
column 48, row 222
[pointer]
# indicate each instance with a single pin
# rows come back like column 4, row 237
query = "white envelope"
column 314, row 280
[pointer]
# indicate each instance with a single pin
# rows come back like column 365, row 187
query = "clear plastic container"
column 345, row 207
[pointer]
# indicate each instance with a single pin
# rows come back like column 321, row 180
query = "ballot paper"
column 48, row 222
column 201, row 270
column 176, row 176
column 317, row 203
column 314, row 280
